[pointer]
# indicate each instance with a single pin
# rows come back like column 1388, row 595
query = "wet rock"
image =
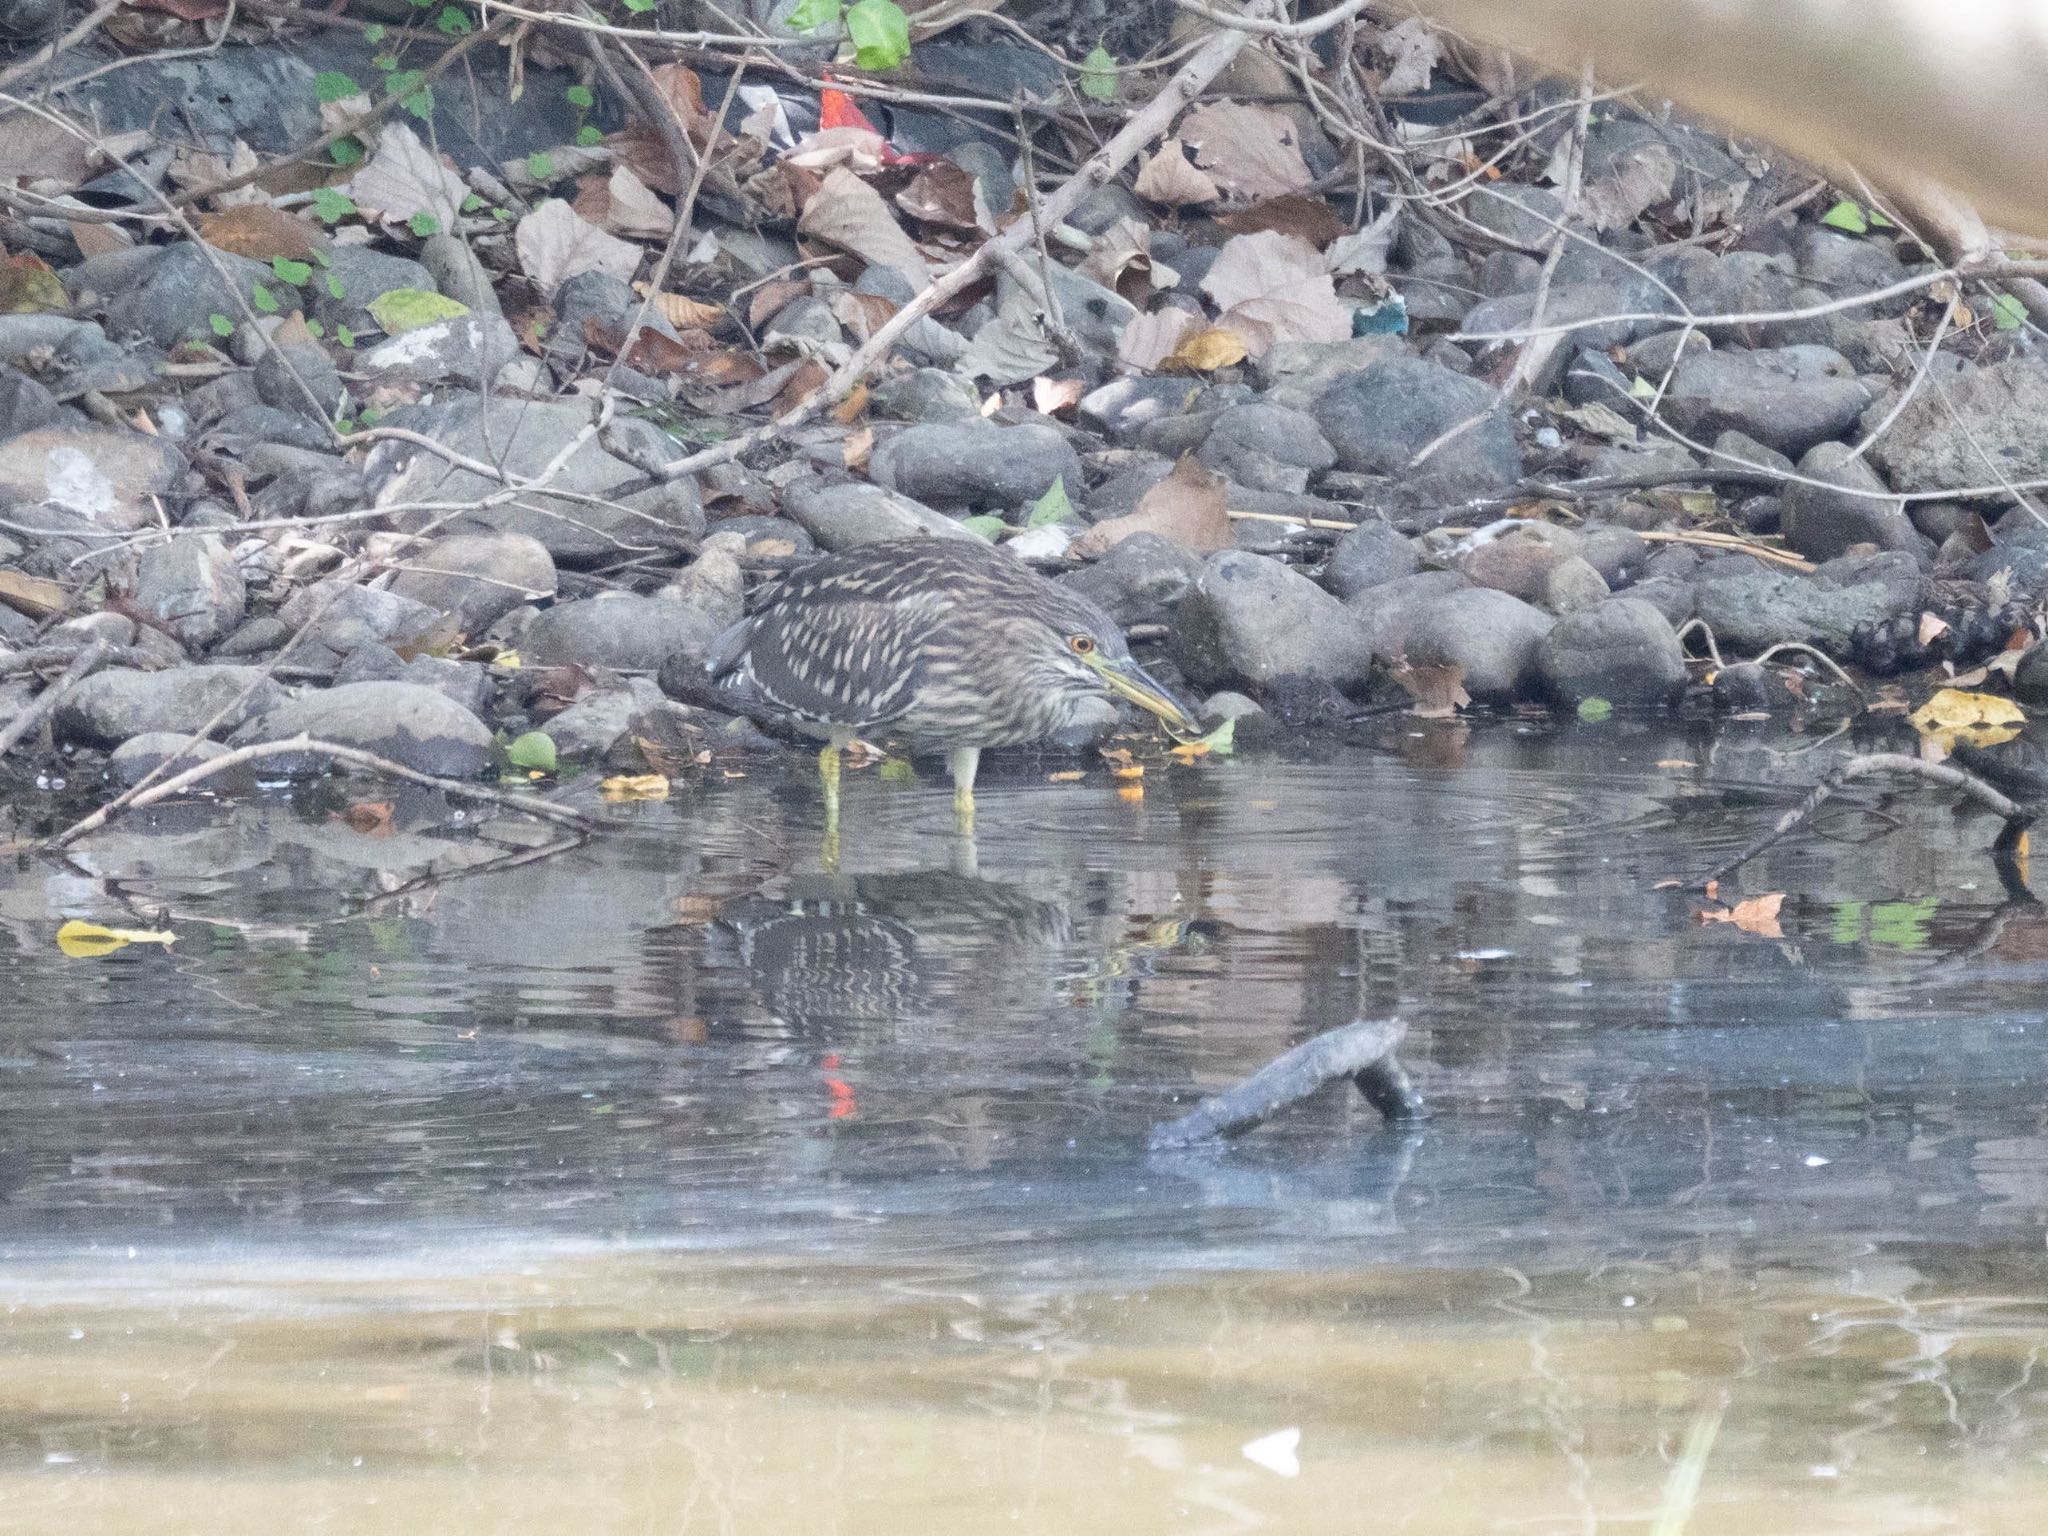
column 1757, row 609
column 477, row 578
column 1618, row 554
column 360, row 273
column 139, row 757
column 1370, row 554
column 1516, row 557
column 467, row 683
column 590, row 728
column 176, row 296
column 2019, row 560
column 2030, row 677
column 282, row 369
column 1671, row 596
column 1840, row 266
column 416, row 726
column 623, row 632
column 1594, row 379
column 1572, row 584
column 1740, row 282
column 111, row 706
column 1123, row 406
column 1267, row 447
column 1140, row 580
column 713, row 583
column 104, row 477
column 1623, row 650
column 522, row 437
column 256, row 637
column 1790, row 398
column 926, row 395
column 26, row 405
column 471, row 349
column 1744, row 449
column 1490, row 637
column 1253, row 624
column 1388, row 607
column 1821, row 524
column 339, row 616
column 1379, row 418
column 976, row 466
column 193, row 585
column 1945, row 437
column 246, row 427
column 841, row 517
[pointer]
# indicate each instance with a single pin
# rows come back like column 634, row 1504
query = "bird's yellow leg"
column 828, row 775
column 963, row 761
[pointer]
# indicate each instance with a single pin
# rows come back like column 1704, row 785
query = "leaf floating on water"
column 1121, row 764
column 1981, row 719
column 1066, row 776
column 370, row 817
column 1754, row 914
column 634, row 786
column 90, row 941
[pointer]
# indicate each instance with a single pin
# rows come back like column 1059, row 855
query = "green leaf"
column 420, row 104
column 1098, row 75
column 540, row 166
column 345, row 336
column 1593, row 711
column 1847, row 215
column 336, row 290
column 330, row 206
column 638, row 6
column 405, row 81
column 896, row 770
column 423, row 225
column 347, row 151
column 983, row 527
column 332, row 85
column 344, row 424
column 588, row 135
column 1053, row 507
column 1222, row 741
column 535, row 752
column 2008, row 313
column 264, row 300
column 375, row 33
column 472, row 202
column 222, row 325
column 386, row 62
column 810, row 15
column 579, row 96
column 452, row 21
column 880, row 33
column 297, row 273
column 315, row 329
column 408, row 309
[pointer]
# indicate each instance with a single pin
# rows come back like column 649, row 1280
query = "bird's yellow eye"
column 1083, row 645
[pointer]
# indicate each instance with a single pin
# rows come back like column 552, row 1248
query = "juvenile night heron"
column 949, row 645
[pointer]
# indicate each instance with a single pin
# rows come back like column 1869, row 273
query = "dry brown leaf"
column 623, row 204
column 1206, row 350
column 946, row 195
column 99, row 239
column 682, row 312
column 1051, row 396
column 1122, row 259
column 861, row 313
column 370, row 817
column 848, row 213
column 404, row 177
column 656, row 355
column 1754, row 914
column 1186, row 508
column 1169, row 178
column 1148, row 340
column 848, row 411
column 1272, row 288
column 857, row 449
column 1306, row 218
column 858, row 149
column 1438, row 693
column 770, row 298
column 31, row 595
column 1932, row 625
column 804, row 380
column 261, row 232
column 556, row 243
column 634, row 786
column 1250, row 153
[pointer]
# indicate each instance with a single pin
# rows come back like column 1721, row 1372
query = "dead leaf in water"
column 1981, row 719
column 372, row 818
column 90, row 941
column 1753, row 914
column 634, row 786
column 1438, row 692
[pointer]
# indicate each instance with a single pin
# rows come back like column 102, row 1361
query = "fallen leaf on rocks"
column 861, row 313
column 90, row 941
column 634, row 786
column 623, row 204
column 1169, row 178
column 945, row 194
column 1981, row 719
column 1365, row 250
column 1273, row 288
column 29, row 287
column 1248, row 152
column 261, row 232
column 99, row 239
column 770, row 299
column 1220, row 742
column 1148, row 340
column 1207, row 349
column 680, row 311
column 848, row 213
column 1438, row 692
column 1754, row 914
column 1932, row 625
column 1051, row 396
column 1009, row 349
column 1306, row 218
column 556, row 243
column 653, row 353
column 1187, row 508
column 31, row 595
column 855, row 452
column 1122, row 259
column 1621, row 188
column 404, row 178
column 1413, row 47
column 848, row 411
column 858, row 149
column 370, row 817
column 410, row 309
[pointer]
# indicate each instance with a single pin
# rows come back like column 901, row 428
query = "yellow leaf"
column 1981, row 719
column 1188, row 751
column 634, row 786
column 1132, row 793
column 1066, row 776
column 681, row 312
column 1208, row 349
column 89, row 941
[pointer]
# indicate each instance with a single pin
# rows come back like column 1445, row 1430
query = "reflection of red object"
column 836, row 109
column 840, row 1090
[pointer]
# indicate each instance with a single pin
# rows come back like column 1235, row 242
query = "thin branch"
column 1362, row 1050
column 46, row 702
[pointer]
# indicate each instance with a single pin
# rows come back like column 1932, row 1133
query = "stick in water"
column 1362, row 1050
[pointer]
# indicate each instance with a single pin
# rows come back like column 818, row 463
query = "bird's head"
column 1078, row 654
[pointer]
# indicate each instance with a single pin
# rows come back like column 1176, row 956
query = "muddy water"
column 670, row 1184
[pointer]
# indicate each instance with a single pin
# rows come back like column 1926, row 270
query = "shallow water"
column 669, row 1184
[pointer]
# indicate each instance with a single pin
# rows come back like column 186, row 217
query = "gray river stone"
column 409, row 723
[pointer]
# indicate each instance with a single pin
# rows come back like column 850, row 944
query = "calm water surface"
column 672, row 1185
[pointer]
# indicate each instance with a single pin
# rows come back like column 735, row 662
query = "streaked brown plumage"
column 948, row 645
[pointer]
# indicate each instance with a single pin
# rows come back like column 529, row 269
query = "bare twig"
column 47, row 701
column 1362, row 1050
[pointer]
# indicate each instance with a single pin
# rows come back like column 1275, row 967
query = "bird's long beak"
column 1130, row 681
